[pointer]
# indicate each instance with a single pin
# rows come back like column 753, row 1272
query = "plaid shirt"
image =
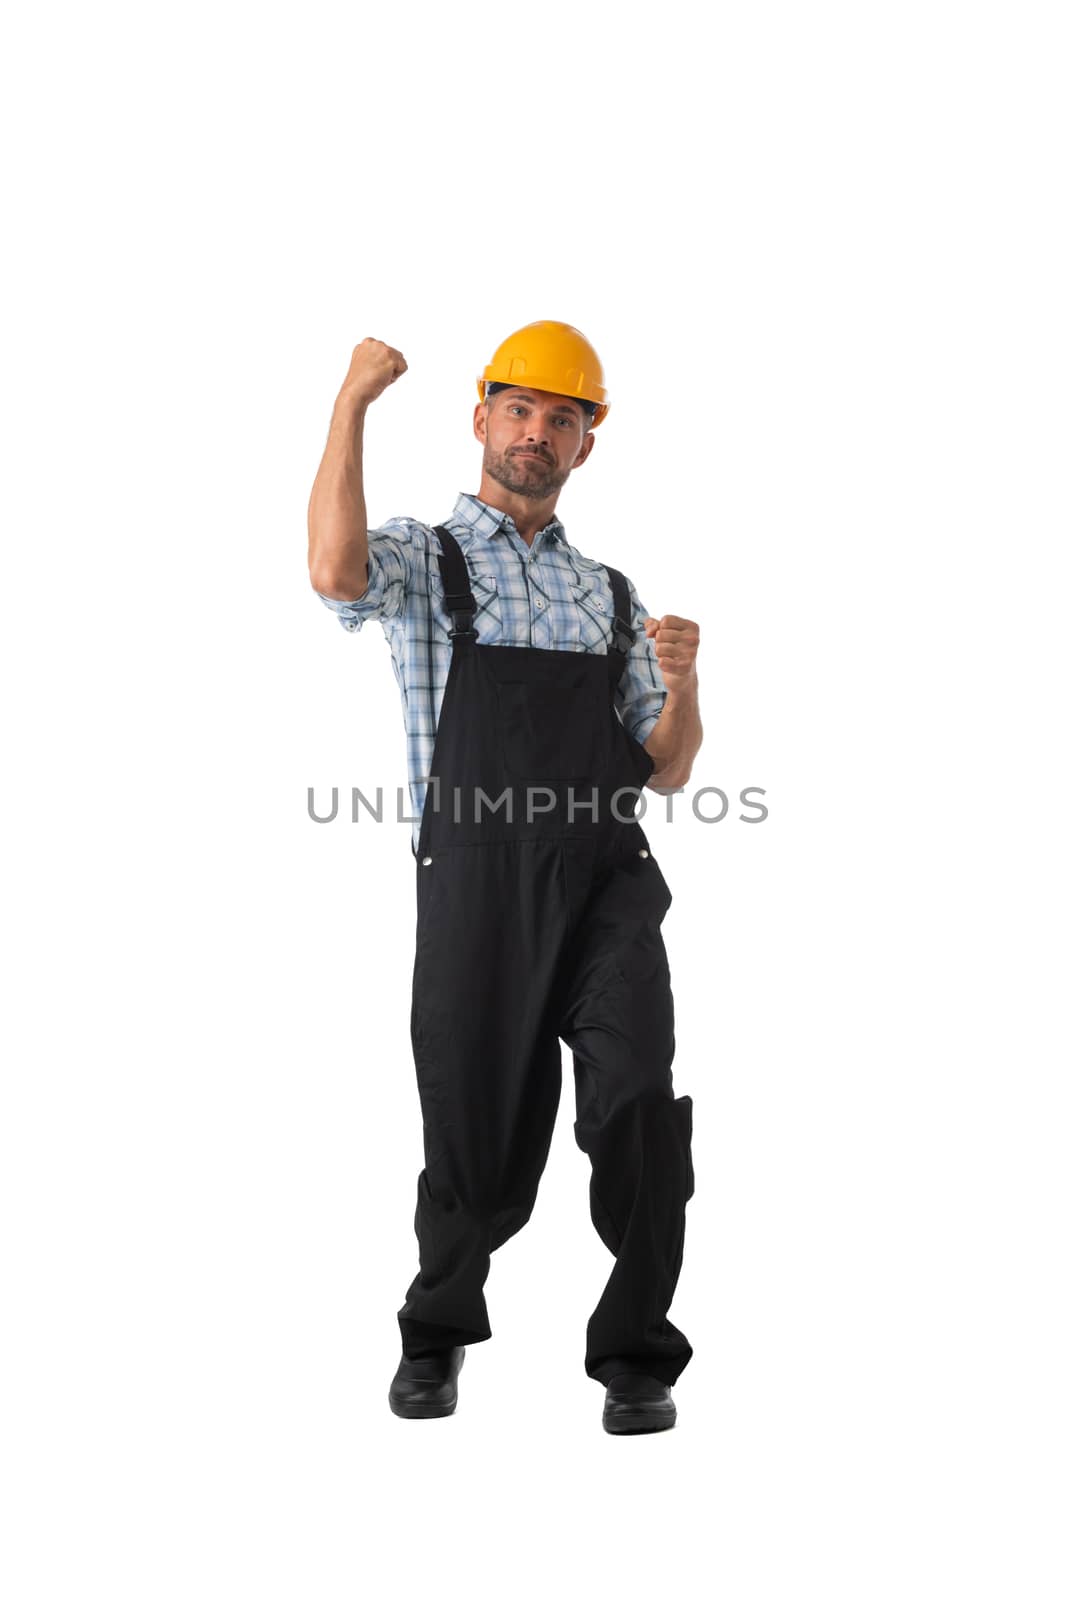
column 544, row 594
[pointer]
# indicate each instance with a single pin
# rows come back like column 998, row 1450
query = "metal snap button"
column 426, row 860
column 642, row 852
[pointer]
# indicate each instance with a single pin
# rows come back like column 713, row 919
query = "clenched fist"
column 676, row 640
column 374, row 366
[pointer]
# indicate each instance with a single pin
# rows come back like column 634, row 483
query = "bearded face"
column 533, row 441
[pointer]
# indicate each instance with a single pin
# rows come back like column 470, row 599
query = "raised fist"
column 374, row 366
column 675, row 640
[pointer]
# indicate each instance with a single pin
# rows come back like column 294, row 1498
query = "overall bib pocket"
column 549, row 729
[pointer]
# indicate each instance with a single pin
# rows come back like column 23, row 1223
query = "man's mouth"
column 531, row 455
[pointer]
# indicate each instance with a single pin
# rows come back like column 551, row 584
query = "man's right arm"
column 337, row 511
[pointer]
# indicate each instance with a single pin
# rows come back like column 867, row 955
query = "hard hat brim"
column 546, row 386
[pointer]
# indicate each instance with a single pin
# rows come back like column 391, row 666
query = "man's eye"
column 566, row 421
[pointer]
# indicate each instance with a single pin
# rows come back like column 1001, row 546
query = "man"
column 536, row 709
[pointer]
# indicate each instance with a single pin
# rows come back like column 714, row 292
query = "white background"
column 820, row 250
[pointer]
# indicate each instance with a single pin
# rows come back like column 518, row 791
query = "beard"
column 532, row 479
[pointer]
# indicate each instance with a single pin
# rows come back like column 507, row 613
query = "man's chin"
column 528, row 485
column 538, row 486
column 528, row 491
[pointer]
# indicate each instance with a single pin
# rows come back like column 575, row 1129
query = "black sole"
column 636, row 1421
column 401, row 1408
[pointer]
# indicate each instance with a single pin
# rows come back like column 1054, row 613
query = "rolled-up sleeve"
column 389, row 552
column 641, row 693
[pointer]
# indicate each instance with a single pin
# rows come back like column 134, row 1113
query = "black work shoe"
column 426, row 1386
column 635, row 1402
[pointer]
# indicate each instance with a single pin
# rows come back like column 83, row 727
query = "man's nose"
column 537, row 430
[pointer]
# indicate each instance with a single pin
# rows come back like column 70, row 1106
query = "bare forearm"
column 337, row 511
column 676, row 738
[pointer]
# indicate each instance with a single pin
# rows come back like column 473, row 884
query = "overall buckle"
column 463, row 623
column 622, row 630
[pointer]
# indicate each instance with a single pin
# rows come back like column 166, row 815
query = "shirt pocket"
column 583, row 620
column 487, row 618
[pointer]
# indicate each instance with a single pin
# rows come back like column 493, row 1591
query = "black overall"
column 535, row 927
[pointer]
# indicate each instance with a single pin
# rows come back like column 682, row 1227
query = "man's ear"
column 481, row 421
column 587, row 444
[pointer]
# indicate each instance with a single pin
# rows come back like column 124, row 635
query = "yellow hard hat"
column 551, row 356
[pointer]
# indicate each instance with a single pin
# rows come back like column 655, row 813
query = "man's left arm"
column 658, row 693
column 678, row 733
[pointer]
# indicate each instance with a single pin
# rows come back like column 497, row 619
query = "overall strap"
column 623, row 633
column 459, row 601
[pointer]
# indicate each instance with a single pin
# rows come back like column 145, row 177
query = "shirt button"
column 600, row 605
column 540, row 605
column 351, row 627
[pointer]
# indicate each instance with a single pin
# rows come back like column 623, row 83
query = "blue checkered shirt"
column 544, row 594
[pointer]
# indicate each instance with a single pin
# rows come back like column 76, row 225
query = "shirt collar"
column 486, row 521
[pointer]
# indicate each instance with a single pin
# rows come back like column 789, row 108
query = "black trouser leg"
column 618, row 1018
column 487, row 1061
